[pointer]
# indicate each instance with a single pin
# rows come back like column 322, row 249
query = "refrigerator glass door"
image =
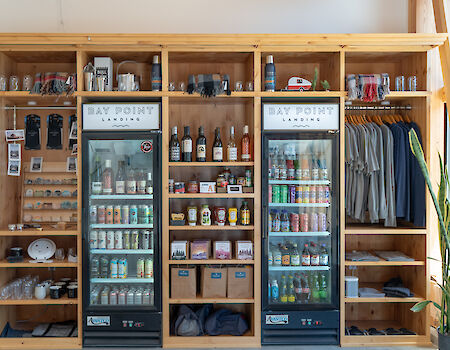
column 121, row 233
column 299, row 221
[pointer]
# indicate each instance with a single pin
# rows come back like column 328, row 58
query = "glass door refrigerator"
column 300, row 200
column 121, row 224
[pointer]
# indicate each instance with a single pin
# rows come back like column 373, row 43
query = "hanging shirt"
column 388, row 151
column 408, row 162
column 400, row 173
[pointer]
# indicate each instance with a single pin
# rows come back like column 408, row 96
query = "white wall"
column 204, row 16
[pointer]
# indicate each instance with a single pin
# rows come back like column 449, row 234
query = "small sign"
column 146, row 146
column 183, row 273
column 216, row 275
column 234, row 188
column 207, row 187
column 277, row 319
column 306, row 116
column 239, row 274
column 98, row 321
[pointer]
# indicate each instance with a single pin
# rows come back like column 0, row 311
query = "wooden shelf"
column 25, row 263
column 119, row 93
column 384, row 263
column 379, row 287
column 211, row 228
column 34, row 232
column 211, row 195
column 301, row 93
column 241, row 94
column 200, row 300
column 211, row 164
column 212, row 262
column 248, row 340
column 384, row 231
column 46, row 301
column 40, row 343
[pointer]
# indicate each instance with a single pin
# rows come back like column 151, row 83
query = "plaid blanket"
column 209, row 85
column 54, row 83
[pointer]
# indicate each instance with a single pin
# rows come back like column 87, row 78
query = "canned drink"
column 126, row 240
column 143, row 214
column 305, row 194
column 110, row 240
column 109, row 215
column 101, row 214
column 118, row 240
column 270, row 194
column 291, row 194
column 114, row 268
column 412, row 83
column 152, row 296
column 93, row 240
column 123, row 268
column 150, row 215
column 140, row 268
column 148, row 268
column 146, row 297
column 93, row 214
column 113, row 297
column 133, row 215
column 312, row 194
column 145, row 240
column 320, row 194
column 101, row 240
column 130, row 297
column 248, row 178
column 284, row 193
column 134, row 244
column 295, row 222
column 298, row 194
column 322, row 219
column 104, row 297
column 138, row 297
column 313, row 222
column 150, row 240
column 117, row 215
column 104, row 265
column 326, row 191
column 122, row 298
column 400, row 83
column 276, row 194
column 304, row 222
column 125, row 214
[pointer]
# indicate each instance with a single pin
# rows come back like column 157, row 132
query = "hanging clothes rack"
column 378, row 108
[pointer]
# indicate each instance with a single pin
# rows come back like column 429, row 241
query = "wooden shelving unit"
column 243, row 58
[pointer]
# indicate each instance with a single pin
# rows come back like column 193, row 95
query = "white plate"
column 41, row 249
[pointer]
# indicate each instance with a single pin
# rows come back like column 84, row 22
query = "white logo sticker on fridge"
column 277, row 319
column 306, row 116
column 121, row 116
column 99, row 321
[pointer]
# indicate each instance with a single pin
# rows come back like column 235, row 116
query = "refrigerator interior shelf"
column 298, row 268
column 299, row 182
column 115, row 226
column 296, row 205
column 122, row 280
column 121, row 251
column 298, row 234
column 121, row 196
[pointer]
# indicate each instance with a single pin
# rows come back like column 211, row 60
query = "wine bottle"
column 96, row 181
column 245, row 145
column 174, row 147
column 217, row 147
column 231, row 147
column 107, row 178
column 186, row 145
column 120, row 178
column 201, row 146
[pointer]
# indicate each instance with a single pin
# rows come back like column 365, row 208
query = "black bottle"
column 186, row 145
column 201, row 146
column 174, row 147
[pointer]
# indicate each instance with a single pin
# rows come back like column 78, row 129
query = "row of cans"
column 121, row 214
column 123, row 296
column 299, row 194
column 103, row 267
column 121, row 239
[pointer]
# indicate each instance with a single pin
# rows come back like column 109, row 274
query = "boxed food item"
column 240, row 282
column 200, row 250
column 183, row 282
column 244, row 250
column 104, row 68
column 179, row 250
column 207, row 187
column 222, row 250
column 214, row 282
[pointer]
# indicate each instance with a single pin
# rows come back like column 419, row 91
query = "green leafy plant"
column 325, row 85
column 442, row 206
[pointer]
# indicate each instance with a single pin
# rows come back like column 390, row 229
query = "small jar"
column 14, row 84
column 3, row 82
column 193, row 187
column 171, row 186
column 179, row 187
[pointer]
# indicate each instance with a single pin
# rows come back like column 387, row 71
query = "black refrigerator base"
column 300, row 328
column 122, row 329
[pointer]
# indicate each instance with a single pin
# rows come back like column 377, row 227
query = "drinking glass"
column 3, row 82
column 171, row 86
column 249, row 86
column 59, row 254
column 27, row 84
column 14, row 84
column 181, row 86
column 238, row 86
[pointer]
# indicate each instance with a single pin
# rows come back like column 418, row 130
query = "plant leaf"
column 420, row 305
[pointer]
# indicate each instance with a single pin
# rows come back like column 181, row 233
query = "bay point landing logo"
column 303, row 113
column 120, row 113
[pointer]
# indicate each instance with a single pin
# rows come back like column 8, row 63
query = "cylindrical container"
column 269, row 74
column 400, row 83
column 130, row 297
column 295, row 222
column 14, row 83
column 326, row 191
column 110, row 240
column 179, row 187
column 171, row 186
column 93, row 214
column 150, row 242
column 412, row 83
column 114, row 268
column 93, row 240
column 150, row 217
column 126, row 239
column 320, row 197
column 27, row 84
column 220, row 215
column 123, row 268
column 101, row 239
column 312, row 194
column 146, row 297
column 138, row 297
column 55, row 292
column 133, row 215
column 148, row 268
column 104, row 296
column 232, row 216
column 101, row 211
column 270, row 194
column 145, row 240
column 125, row 214
column 72, row 291
column 109, row 215
column 284, row 193
column 118, row 240
column 248, row 178
column 313, row 222
column 3, row 82
column 305, row 194
column 291, row 194
column 140, row 268
column 122, row 298
column 192, row 216
column 351, row 286
column 89, row 81
column 298, row 194
column 322, row 218
column 113, row 297
column 117, row 215
column 193, row 187
column 134, row 244
column 104, row 267
column 276, row 194
column 143, row 214
column 304, row 222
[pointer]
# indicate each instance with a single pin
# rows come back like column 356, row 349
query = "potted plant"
column 442, row 206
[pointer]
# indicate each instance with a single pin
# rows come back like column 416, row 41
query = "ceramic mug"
column 40, row 291
column 55, row 292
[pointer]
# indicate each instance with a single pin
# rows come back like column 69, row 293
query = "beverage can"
column 284, row 193
column 118, row 240
column 298, row 194
column 314, row 222
column 322, row 222
column 140, row 268
column 133, row 215
column 276, row 195
column 101, row 240
column 312, row 194
column 114, row 268
column 295, row 222
column 150, row 240
column 320, row 194
column 305, row 194
column 145, row 241
column 93, row 214
column 304, row 222
column 109, row 215
column 291, row 194
column 270, row 194
column 126, row 239
column 123, row 268
column 117, row 215
column 101, row 214
column 104, row 266
column 148, row 268
column 113, row 297
column 125, row 214
column 150, row 218
column 110, row 240
column 327, row 194
column 93, row 240
column 134, row 244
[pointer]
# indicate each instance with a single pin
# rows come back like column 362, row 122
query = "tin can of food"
column 109, row 215
column 134, row 239
column 102, row 240
column 179, row 187
column 101, row 214
column 126, row 239
column 117, row 215
column 125, row 214
column 118, row 240
column 110, row 240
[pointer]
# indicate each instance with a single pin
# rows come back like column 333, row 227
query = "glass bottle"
column 96, row 180
column 231, row 147
column 245, row 146
column 140, row 182
column 306, row 256
column 201, row 146
column 120, row 178
column 149, row 184
column 295, row 255
column 107, row 178
column 245, row 214
column 131, row 182
column 217, row 147
column 174, row 147
column 186, row 145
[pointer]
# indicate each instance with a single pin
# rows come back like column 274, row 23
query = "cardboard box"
column 207, row 187
column 179, row 250
column 200, row 250
column 183, row 282
column 104, row 67
column 214, row 282
column 240, row 282
column 222, row 250
column 244, row 250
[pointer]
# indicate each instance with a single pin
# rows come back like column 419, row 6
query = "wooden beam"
column 412, row 16
column 444, row 50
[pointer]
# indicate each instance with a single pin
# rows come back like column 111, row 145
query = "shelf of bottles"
column 299, row 236
column 121, row 234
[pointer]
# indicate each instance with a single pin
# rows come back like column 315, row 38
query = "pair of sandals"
column 353, row 330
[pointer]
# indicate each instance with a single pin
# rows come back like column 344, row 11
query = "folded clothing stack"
column 394, row 288
column 353, row 330
column 361, row 255
column 370, row 293
column 393, row 255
